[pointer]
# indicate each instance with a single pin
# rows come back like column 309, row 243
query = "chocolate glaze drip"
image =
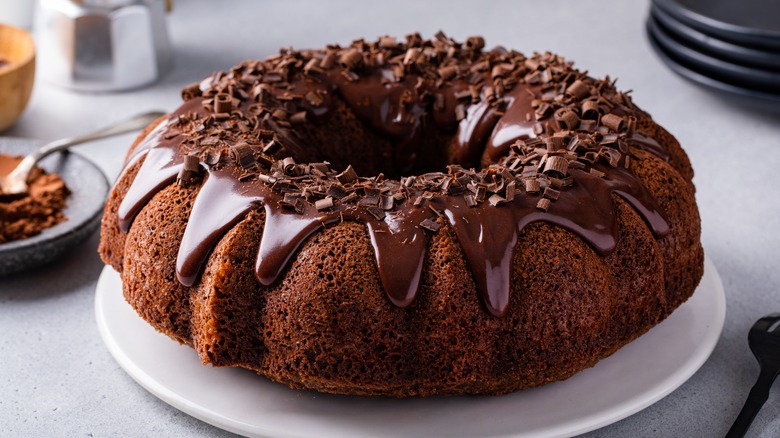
column 512, row 125
column 486, row 233
column 286, row 231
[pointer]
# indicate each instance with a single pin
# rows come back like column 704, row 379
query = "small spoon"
column 15, row 183
column 764, row 341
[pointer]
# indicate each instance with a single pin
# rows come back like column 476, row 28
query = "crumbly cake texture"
column 405, row 218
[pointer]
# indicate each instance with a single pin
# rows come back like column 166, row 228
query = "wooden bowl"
column 17, row 72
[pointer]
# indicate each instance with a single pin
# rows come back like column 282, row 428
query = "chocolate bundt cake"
column 405, row 218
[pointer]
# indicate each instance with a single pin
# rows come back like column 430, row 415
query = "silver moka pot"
column 102, row 45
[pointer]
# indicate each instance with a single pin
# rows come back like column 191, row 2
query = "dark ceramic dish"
column 742, row 96
column 752, row 23
column 747, row 77
column 716, row 47
column 84, row 208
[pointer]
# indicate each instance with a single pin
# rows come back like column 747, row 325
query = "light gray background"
column 57, row 378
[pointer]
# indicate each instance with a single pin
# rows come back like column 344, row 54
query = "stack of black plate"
column 731, row 46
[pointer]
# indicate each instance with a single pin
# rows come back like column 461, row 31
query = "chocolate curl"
column 298, row 118
column 411, row 55
column 222, row 103
column 448, row 72
column 475, row 43
column 543, row 204
column 313, row 66
column 631, row 125
column 279, row 114
column 567, row 118
column 190, row 172
column 377, row 212
column 498, row 72
column 288, row 165
column 314, row 98
column 496, row 200
column 324, row 204
column 611, row 155
column 351, row 59
column 347, row 176
column 590, row 110
column 388, row 42
column 430, row 225
column 551, row 193
column 328, row 61
column 556, row 165
column 578, row 89
column 532, row 185
column 613, row 122
column 244, row 156
column 191, row 91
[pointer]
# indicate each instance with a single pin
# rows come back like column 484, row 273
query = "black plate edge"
column 744, row 97
column 747, row 77
column 714, row 46
column 726, row 31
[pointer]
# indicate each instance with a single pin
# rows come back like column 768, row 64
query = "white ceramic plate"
column 239, row 401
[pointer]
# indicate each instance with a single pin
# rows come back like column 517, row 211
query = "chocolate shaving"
column 590, row 109
column 388, row 42
column 271, row 147
column 222, row 103
column 348, row 176
column 613, row 122
column 448, row 72
column 567, row 118
column 243, row 155
column 351, row 59
column 191, row 91
column 328, row 61
column 430, row 225
column 288, row 164
column 556, row 165
column 298, row 118
column 190, row 172
column 532, row 185
column 314, row 98
column 475, row 43
column 578, row 89
column 543, row 204
column 377, row 212
column 496, row 200
column 313, row 66
column 597, row 173
column 551, row 193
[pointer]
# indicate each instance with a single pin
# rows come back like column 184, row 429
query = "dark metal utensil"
column 764, row 341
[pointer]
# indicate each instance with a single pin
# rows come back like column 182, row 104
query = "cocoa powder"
column 42, row 207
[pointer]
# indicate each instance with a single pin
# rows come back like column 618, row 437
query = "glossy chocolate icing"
column 400, row 109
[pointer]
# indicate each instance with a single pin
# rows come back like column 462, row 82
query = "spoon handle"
column 755, row 400
column 129, row 125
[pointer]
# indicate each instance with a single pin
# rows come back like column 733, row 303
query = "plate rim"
column 716, row 46
column 711, row 65
column 728, row 31
column 768, row 100
column 616, row 413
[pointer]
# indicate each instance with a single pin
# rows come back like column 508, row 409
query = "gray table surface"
column 58, row 379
